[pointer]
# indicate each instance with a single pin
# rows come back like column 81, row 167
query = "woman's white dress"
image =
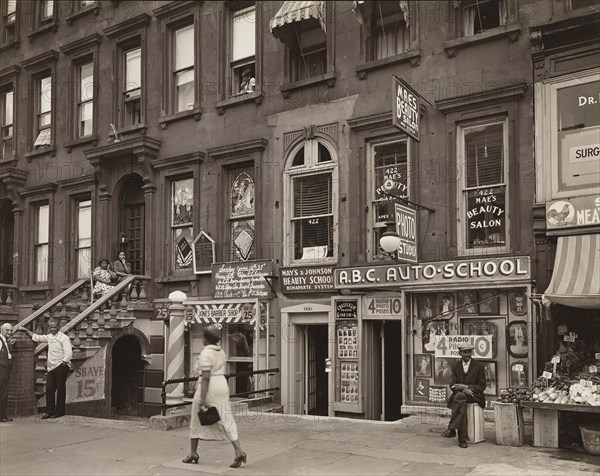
column 213, row 358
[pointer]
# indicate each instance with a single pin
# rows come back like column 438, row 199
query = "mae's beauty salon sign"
column 439, row 272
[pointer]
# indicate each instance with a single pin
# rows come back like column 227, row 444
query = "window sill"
column 93, row 139
column 255, row 96
column 286, row 89
column 141, row 128
column 511, row 31
column 52, row 26
column 9, row 44
column 51, row 151
column 35, row 288
column 176, row 278
column 91, row 8
column 164, row 121
column 317, row 262
column 414, row 56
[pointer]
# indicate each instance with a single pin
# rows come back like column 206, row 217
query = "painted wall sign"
column 463, row 271
column 244, row 279
column 382, row 306
column 447, row 346
column 573, row 212
column 309, row 279
column 203, row 251
column 346, row 310
column 405, row 108
column 486, row 217
column 406, row 227
column 86, row 383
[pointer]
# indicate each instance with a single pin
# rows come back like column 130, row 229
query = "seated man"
column 468, row 384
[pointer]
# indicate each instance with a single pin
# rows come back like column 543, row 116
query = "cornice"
column 77, row 181
column 373, row 121
column 12, row 175
column 127, row 26
column 79, row 45
column 504, row 94
column 38, row 190
column 185, row 159
column 10, row 71
column 254, row 145
column 50, row 56
column 137, row 146
column 173, row 7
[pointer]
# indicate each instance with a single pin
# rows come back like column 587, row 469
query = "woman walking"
column 213, row 391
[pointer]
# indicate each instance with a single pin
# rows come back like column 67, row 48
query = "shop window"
column 85, row 99
column 43, row 104
column 389, row 30
column 7, row 122
column 42, row 238
column 483, row 207
column 482, row 15
column 389, row 174
column 242, row 53
column 182, row 223
column 311, row 207
column 131, row 94
column 9, row 21
column 241, row 214
column 84, row 238
column 183, row 65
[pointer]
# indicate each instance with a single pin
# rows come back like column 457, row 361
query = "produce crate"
column 510, row 429
column 590, row 434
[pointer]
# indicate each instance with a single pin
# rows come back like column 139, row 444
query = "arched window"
column 241, row 214
column 311, row 205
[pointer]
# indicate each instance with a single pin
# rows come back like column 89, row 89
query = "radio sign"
column 447, row 346
column 406, row 227
column 406, row 108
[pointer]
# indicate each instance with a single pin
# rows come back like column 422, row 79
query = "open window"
column 7, row 103
column 242, row 48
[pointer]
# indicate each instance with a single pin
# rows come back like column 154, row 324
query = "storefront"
column 411, row 319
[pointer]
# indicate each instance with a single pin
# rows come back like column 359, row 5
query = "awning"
column 576, row 276
column 283, row 24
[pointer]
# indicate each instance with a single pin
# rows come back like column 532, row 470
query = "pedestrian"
column 58, row 364
column 6, row 363
column 121, row 267
column 213, row 391
column 468, row 384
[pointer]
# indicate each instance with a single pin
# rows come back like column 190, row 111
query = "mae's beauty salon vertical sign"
column 405, row 108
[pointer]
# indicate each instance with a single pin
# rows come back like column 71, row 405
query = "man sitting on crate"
column 468, row 383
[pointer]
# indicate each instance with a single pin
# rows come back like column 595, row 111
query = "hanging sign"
column 573, row 212
column 406, row 227
column 406, row 108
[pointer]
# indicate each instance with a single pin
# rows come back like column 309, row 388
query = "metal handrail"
column 163, row 394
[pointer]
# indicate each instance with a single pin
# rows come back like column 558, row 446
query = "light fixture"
column 390, row 241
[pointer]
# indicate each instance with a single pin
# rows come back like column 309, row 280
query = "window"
column 309, row 53
column 6, row 124
column 312, row 202
column 483, row 155
column 182, row 224
column 43, row 127
column 9, row 20
column 575, row 4
column 389, row 175
column 132, row 87
column 389, row 28
column 84, row 238
column 243, row 49
column 183, row 68
column 42, row 237
column 46, row 11
column 241, row 214
column 85, row 100
column 481, row 15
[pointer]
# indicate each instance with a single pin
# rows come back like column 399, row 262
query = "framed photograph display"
column 421, row 389
column 426, row 306
column 347, row 359
column 517, row 303
column 491, row 380
column 422, row 365
column 347, row 339
column 519, row 375
column 489, row 302
column 467, row 303
column 446, row 306
column 516, row 339
column 349, row 382
column 443, row 370
column 437, row 394
column 484, row 327
column 430, row 330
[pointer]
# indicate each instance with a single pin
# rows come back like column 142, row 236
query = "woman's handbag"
column 210, row 416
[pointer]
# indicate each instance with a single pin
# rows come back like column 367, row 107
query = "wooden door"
column 298, row 349
column 134, row 232
column 311, row 372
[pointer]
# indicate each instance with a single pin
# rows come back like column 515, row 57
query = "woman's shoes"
column 190, row 459
column 237, row 462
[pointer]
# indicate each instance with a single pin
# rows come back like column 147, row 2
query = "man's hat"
column 465, row 346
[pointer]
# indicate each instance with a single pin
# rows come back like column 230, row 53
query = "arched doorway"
column 131, row 222
column 7, row 230
column 127, row 390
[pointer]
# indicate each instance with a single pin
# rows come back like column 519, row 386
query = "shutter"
column 484, row 151
column 312, row 195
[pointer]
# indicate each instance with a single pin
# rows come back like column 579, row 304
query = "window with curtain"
column 6, row 126
column 481, row 15
column 132, row 87
column 183, row 68
column 9, row 20
column 182, row 223
column 85, row 100
column 312, row 175
column 309, row 55
column 391, row 34
column 44, row 112
column 243, row 48
column 241, row 214
column 42, row 238
column 84, row 238
column 485, row 211
column 46, row 10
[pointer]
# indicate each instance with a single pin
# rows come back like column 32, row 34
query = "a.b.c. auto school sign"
column 440, row 272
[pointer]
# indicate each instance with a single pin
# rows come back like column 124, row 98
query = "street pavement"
column 275, row 444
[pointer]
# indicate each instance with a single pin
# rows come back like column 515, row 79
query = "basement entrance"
column 127, row 394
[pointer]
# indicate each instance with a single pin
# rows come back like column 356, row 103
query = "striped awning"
column 283, row 24
column 576, row 276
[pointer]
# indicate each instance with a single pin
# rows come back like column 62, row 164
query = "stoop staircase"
column 90, row 325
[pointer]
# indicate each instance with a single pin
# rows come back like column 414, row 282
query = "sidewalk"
column 275, row 444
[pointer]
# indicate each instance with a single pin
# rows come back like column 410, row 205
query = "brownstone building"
column 244, row 153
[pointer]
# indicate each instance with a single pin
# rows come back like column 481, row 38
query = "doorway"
column 317, row 394
column 127, row 394
column 7, row 226
column 132, row 222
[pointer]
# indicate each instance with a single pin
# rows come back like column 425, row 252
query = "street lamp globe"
column 390, row 241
